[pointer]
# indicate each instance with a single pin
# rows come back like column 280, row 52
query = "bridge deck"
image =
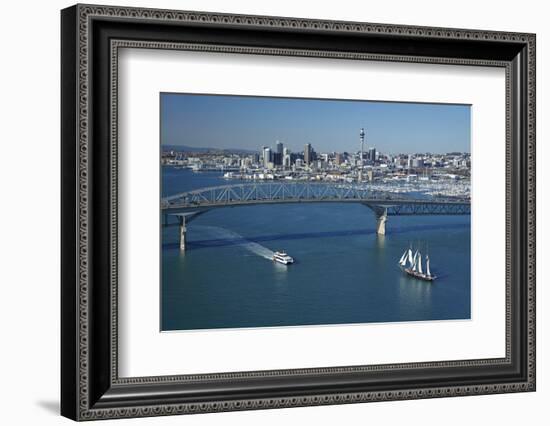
column 299, row 192
column 187, row 206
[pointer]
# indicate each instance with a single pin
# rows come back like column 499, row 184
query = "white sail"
column 428, row 266
column 415, row 262
column 411, row 262
column 419, row 263
column 403, row 259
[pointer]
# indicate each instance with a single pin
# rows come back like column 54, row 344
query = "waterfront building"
column 245, row 162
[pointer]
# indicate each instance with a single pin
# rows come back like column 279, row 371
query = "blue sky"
column 247, row 122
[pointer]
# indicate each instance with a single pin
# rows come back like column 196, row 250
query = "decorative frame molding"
column 91, row 37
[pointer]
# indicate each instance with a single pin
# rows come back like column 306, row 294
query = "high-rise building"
column 266, row 156
column 418, row 162
column 279, row 148
column 372, row 154
column 277, row 158
column 338, row 159
column 308, row 153
column 286, row 158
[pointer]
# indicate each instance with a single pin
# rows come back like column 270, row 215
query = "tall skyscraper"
column 279, row 148
column 372, row 154
column 277, row 158
column 266, row 156
column 308, row 154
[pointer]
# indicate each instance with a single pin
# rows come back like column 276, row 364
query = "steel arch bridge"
column 188, row 205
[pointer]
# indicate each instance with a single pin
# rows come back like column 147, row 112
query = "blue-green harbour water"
column 343, row 272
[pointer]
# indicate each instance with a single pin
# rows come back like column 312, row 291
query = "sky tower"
column 362, row 139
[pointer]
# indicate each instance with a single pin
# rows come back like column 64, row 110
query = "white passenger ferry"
column 282, row 257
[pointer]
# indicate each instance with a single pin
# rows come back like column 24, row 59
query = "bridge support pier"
column 183, row 232
column 381, row 219
column 381, row 213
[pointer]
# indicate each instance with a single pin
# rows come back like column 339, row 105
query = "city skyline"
column 246, row 122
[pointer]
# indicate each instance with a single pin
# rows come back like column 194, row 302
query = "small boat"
column 282, row 257
column 414, row 267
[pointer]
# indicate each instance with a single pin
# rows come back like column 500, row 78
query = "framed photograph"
column 263, row 212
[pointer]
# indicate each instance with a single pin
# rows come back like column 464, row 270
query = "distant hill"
column 186, row 148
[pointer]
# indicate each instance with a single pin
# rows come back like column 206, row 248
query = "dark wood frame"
column 90, row 386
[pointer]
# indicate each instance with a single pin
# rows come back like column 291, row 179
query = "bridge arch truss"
column 187, row 206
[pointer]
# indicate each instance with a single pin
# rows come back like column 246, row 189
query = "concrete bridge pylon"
column 381, row 220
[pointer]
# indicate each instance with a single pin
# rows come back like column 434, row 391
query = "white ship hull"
column 284, row 262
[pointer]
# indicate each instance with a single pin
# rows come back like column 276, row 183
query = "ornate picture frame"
column 91, row 37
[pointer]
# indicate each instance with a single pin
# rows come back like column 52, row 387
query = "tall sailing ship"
column 412, row 265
